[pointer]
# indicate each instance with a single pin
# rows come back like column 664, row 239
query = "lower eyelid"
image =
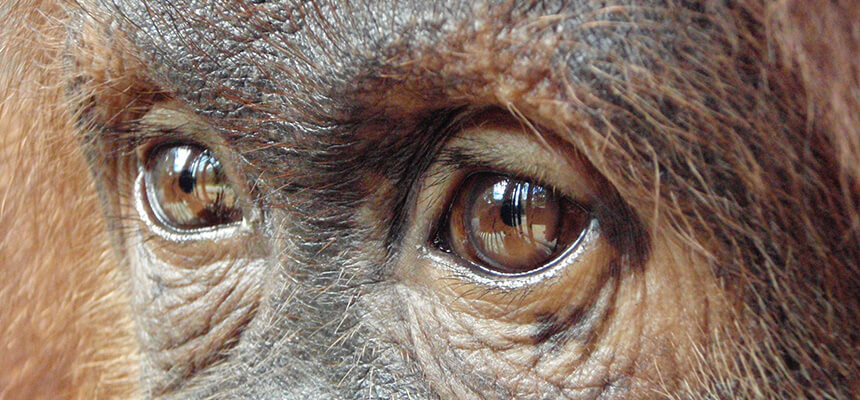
column 589, row 247
column 573, row 279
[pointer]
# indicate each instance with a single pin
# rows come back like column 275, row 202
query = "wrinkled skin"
column 722, row 258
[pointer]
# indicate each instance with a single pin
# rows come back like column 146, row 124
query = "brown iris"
column 187, row 189
column 510, row 226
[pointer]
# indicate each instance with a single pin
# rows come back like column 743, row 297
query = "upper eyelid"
column 170, row 120
column 170, row 123
column 454, row 163
column 152, row 141
column 569, row 176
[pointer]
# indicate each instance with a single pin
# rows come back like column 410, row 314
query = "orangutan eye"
column 186, row 189
column 506, row 225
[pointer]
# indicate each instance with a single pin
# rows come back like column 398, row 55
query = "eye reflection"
column 186, row 188
column 510, row 226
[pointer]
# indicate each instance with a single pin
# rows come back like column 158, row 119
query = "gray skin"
column 335, row 122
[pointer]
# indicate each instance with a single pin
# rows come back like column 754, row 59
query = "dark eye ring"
column 510, row 226
column 186, row 189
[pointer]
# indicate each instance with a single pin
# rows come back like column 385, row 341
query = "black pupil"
column 510, row 212
column 186, row 181
column 511, row 209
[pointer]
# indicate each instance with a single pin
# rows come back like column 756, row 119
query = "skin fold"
column 711, row 145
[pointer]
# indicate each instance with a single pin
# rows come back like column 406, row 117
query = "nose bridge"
column 284, row 376
column 269, row 380
column 277, row 357
column 306, row 357
column 306, row 342
column 319, row 335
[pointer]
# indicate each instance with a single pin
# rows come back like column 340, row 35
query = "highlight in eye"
column 507, row 225
column 186, row 188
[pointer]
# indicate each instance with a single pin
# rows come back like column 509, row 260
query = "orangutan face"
column 397, row 200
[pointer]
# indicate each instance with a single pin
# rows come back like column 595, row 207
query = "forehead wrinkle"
column 321, row 68
column 301, row 89
column 300, row 46
column 318, row 57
